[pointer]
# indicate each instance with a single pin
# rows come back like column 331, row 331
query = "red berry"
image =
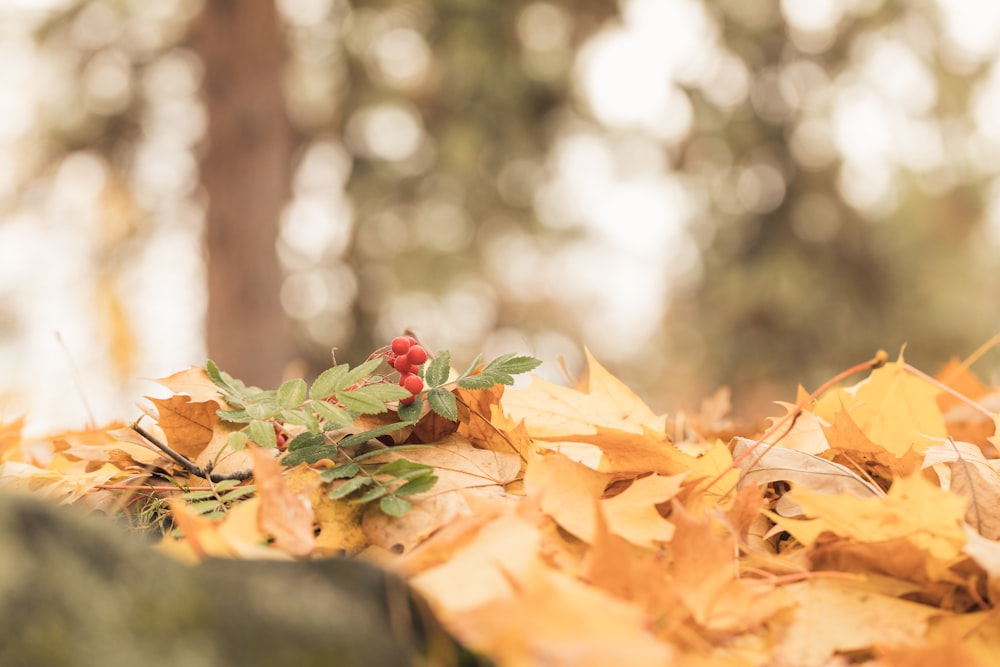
column 413, row 384
column 401, row 364
column 417, row 355
column 407, row 400
column 400, row 344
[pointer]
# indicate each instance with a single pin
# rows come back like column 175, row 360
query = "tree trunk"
column 245, row 171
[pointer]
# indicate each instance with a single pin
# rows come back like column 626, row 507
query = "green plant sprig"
column 320, row 412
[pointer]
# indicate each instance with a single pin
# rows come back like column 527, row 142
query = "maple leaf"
column 554, row 412
column 485, row 424
column 804, row 470
column 464, row 473
column 892, row 407
column 571, row 493
column 339, row 520
column 704, row 579
column 914, row 532
column 964, row 470
column 839, row 616
column 194, row 382
column 188, row 426
column 851, row 443
column 807, row 433
column 482, row 569
column 554, row 619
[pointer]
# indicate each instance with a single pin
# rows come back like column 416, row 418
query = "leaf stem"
column 948, row 390
column 789, row 419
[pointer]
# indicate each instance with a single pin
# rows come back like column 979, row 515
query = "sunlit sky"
column 70, row 262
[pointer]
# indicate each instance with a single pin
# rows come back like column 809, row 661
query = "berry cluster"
column 406, row 355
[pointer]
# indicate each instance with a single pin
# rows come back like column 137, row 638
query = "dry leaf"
column 284, row 515
column 894, row 408
column 188, row 426
column 554, row 412
column 195, row 383
column 836, row 616
column 765, row 465
column 964, row 470
column 913, row 509
column 555, row 620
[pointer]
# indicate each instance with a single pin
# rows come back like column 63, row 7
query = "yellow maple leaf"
column 571, row 493
column 914, row 509
column 894, row 408
column 554, row 412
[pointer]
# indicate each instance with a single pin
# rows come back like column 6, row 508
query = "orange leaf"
column 705, row 579
column 284, row 515
column 11, row 439
column 556, row 620
column 845, row 436
column 187, row 426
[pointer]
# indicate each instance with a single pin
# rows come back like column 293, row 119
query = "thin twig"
column 188, row 464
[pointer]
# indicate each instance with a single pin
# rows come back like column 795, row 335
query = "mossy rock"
column 77, row 590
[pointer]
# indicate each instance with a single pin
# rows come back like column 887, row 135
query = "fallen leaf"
column 554, row 412
column 894, row 408
column 11, row 439
column 488, row 427
column 483, row 570
column 913, row 509
column 555, row 620
column 804, row 470
column 704, row 578
column 284, row 515
column 837, row 616
column 195, row 383
column 850, row 442
column 339, row 520
column 964, row 470
column 188, row 426
column 805, row 435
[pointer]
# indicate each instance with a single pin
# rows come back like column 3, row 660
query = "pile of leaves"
column 572, row 525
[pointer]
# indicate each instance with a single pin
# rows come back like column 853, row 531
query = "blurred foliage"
column 430, row 132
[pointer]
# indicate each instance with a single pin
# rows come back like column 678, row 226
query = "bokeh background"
column 704, row 193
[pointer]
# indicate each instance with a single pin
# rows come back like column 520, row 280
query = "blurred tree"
column 807, row 271
column 245, row 172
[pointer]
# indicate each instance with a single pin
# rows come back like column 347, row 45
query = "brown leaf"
column 187, row 426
